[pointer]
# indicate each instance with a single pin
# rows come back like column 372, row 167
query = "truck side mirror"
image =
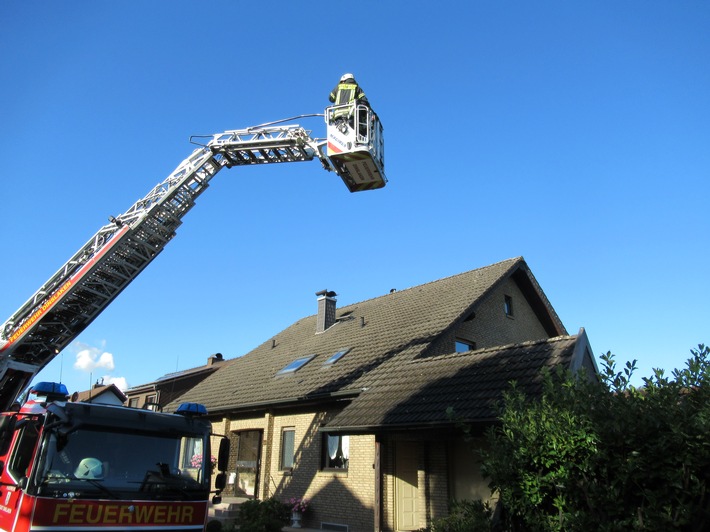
column 220, row 482
column 223, row 455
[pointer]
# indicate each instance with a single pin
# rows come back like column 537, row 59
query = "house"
column 156, row 394
column 348, row 407
column 105, row 394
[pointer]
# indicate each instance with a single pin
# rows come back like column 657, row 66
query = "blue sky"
column 574, row 134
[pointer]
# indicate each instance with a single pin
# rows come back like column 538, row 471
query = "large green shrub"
column 464, row 516
column 604, row 455
column 269, row 515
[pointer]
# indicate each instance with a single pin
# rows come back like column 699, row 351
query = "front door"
column 406, row 486
column 246, row 462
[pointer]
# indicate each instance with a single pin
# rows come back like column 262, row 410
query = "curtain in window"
column 346, row 447
column 333, row 446
column 288, row 444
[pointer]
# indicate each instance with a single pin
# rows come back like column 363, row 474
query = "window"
column 25, row 443
column 464, row 345
column 337, row 356
column 125, row 463
column 151, row 402
column 192, row 454
column 508, row 305
column 133, row 402
column 336, row 451
column 295, row 365
column 288, row 440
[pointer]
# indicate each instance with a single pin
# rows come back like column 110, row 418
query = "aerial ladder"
column 103, row 267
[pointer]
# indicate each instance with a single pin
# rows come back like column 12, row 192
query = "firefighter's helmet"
column 90, row 468
column 346, row 77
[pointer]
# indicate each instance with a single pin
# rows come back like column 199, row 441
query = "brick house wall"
column 436, row 486
column 491, row 327
column 330, row 491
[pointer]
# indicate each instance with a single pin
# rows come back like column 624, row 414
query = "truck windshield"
column 92, row 462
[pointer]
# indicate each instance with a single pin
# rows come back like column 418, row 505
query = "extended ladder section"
column 74, row 296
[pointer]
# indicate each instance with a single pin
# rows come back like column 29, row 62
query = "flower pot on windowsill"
column 296, row 519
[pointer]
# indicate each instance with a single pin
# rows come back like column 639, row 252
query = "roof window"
column 337, row 356
column 296, row 365
column 508, row 306
column 463, row 346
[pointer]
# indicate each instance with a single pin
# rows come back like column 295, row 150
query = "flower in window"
column 196, row 461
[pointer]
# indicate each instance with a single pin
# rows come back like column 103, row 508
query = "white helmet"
column 90, row 468
column 347, row 77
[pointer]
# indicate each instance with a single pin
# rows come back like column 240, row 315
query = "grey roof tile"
column 419, row 392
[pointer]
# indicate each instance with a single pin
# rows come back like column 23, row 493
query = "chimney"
column 326, row 310
column 212, row 360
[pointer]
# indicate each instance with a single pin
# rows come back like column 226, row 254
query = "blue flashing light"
column 191, row 409
column 50, row 388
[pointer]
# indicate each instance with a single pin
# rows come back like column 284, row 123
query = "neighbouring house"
column 348, row 407
column 105, row 394
column 155, row 395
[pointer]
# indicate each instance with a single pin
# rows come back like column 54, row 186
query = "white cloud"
column 120, row 382
column 97, row 361
column 91, row 358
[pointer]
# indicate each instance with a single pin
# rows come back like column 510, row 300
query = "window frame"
column 292, row 432
column 508, row 306
column 295, row 365
column 151, row 402
column 335, row 357
column 341, row 453
column 26, row 439
column 463, row 342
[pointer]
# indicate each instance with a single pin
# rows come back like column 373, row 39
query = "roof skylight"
column 337, row 356
column 295, row 365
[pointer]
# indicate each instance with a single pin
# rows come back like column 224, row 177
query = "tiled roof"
column 394, row 327
column 174, row 376
column 98, row 390
column 418, row 392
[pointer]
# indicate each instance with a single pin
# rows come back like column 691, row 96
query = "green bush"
column 269, row 515
column 464, row 516
column 605, row 455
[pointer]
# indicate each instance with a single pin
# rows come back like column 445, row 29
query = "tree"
column 600, row 454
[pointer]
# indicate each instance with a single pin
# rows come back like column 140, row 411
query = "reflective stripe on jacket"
column 345, row 93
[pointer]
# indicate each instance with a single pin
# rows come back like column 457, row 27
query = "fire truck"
column 81, row 466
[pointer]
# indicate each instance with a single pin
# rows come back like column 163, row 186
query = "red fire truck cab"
column 89, row 467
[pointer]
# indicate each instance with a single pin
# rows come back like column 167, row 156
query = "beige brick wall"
column 343, row 497
column 437, row 485
column 491, row 327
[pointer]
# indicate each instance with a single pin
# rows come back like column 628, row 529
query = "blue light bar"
column 191, row 409
column 50, row 388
